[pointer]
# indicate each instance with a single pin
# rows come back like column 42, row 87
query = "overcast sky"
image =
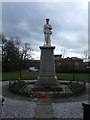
column 69, row 21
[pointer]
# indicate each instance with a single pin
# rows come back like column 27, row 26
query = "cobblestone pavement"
column 22, row 109
column 68, row 110
column 18, row 109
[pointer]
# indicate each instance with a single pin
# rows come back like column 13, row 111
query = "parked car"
column 33, row 69
column 2, row 99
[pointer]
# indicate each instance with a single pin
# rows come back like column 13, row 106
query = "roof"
column 75, row 58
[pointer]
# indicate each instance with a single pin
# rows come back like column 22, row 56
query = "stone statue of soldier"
column 47, row 32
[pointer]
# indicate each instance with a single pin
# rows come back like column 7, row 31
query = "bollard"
column 86, row 113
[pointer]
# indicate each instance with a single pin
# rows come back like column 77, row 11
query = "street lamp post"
column 20, row 57
column 20, row 75
column 20, row 70
column 73, row 73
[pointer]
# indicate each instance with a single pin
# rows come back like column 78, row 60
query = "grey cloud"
column 26, row 20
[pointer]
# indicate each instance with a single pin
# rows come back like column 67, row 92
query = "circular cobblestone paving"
column 22, row 107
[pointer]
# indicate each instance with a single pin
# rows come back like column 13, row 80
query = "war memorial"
column 47, row 77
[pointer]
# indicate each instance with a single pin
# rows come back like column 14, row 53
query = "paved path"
column 44, row 108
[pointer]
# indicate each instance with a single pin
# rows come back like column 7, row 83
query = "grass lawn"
column 69, row 76
column 25, row 75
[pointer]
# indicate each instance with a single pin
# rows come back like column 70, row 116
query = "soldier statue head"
column 47, row 20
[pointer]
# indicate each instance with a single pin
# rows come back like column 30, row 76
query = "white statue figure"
column 47, row 32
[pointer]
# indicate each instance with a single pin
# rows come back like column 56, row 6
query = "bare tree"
column 85, row 55
column 26, row 51
column 19, row 46
column 64, row 53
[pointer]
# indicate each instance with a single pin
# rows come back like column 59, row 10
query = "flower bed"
column 16, row 86
column 77, row 87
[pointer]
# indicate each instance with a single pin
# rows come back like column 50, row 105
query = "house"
column 59, row 62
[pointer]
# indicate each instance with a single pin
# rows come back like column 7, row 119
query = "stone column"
column 47, row 76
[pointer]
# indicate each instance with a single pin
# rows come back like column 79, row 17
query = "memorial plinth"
column 47, row 76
